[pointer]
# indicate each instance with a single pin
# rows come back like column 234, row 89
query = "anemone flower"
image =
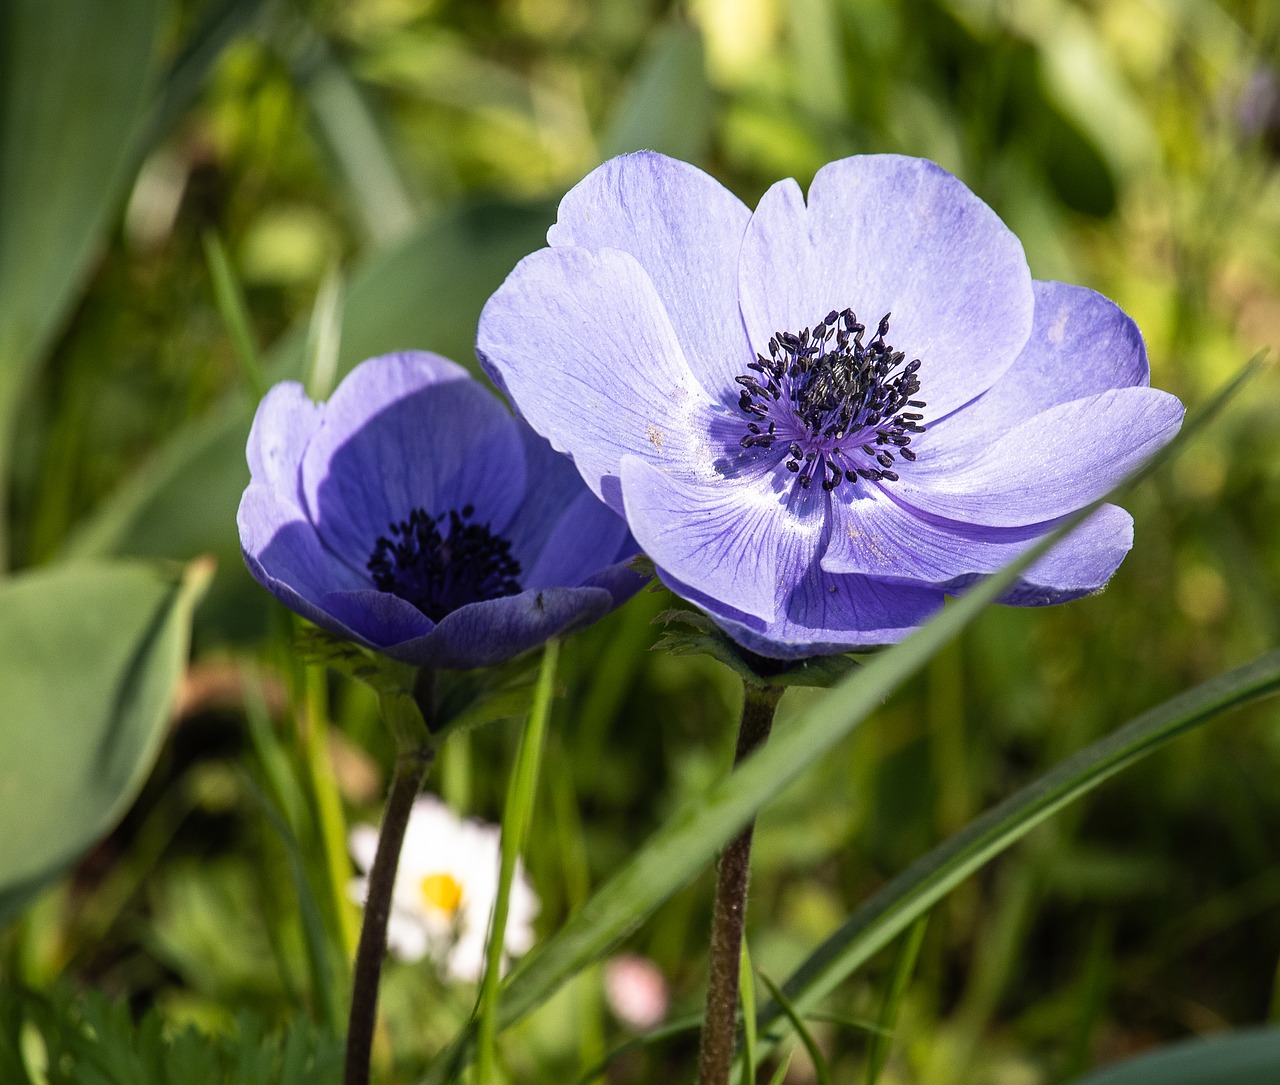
column 818, row 418
column 445, row 889
column 413, row 514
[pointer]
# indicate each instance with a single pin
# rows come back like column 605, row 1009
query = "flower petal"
column 1081, row 344
column 381, row 619
column 488, row 632
column 1050, row 464
column 1079, row 565
column 685, row 229
column 283, row 424
column 826, row 614
column 562, row 533
column 743, row 541
column 285, row 555
column 889, row 234
column 583, row 345
column 873, row 535
column 408, row 431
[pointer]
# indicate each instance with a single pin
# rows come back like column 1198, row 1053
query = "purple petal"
column 1081, row 344
column 562, row 532
column 482, row 634
column 685, row 230
column 583, row 345
column 285, row 556
column 873, row 535
column 1050, row 464
column 282, row 426
column 382, row 620
column 408, row 431
column 888, row 234
column 825, row 615
column 1079, row 565
column 745, row 541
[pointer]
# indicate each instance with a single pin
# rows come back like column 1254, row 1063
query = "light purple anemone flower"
column 819, row 418
column 413, row 514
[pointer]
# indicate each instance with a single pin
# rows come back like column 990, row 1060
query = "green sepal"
column 466, row 700
column 383, row 675
column 759, row 672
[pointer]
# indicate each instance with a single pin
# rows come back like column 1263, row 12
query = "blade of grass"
column 930, row 878
column 820, row 1067
column 318, row 960
column 780, row 1074
column 324, row 337
column 235, row 314
column 678, row 1027
column 515, row 827
column 747, row 993
column 894, row 991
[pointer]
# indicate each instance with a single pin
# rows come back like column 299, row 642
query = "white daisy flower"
column 445, row 889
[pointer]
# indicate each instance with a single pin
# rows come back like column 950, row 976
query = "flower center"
column 441, row 891
column 439, row 572
column 842, row 408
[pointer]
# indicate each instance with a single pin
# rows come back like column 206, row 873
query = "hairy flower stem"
column 715, row 1053
column 412, row 764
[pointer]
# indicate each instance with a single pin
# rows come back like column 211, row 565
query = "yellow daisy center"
column 441, row 891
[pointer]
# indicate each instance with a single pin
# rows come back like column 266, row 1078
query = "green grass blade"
column 747, row 992
column 930, row 878
column 677, row 1027
column 313, row 934
column 515, row 828
column 899, row 978
column 780, row 1075
column 820, row 1067
column 235, row 314
column 324, row 337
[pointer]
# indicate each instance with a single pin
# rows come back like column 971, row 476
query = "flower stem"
column 715, row 1053
column 412, row 763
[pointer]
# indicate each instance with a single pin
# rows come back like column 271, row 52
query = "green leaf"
column 930, row 878
column 894, row 992
column 90, row 658
column 74, row 81
column 1238, row 1058
column 810, row 1045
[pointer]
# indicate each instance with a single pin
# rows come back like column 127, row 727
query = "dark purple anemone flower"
column 413, row 514
column 820, row 418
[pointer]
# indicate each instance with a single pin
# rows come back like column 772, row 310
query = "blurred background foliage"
column 395, row 158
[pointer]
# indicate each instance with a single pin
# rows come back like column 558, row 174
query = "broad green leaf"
column 930, row 878
column 74, row 83
column 90, row 657
column 1237, row 1058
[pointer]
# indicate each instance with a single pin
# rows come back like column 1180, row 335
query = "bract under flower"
column 820, row 417
column 445, row 889
column 413, row 514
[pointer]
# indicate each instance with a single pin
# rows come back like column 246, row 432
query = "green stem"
column 412, row 764
column 515, row 824
column 729, row 918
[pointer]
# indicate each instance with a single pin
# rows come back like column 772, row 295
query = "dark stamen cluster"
column 839, row 404
column 438, row 572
